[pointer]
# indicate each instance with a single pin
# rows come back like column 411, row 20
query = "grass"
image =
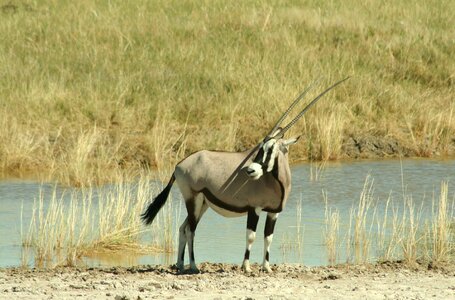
column 85, row 86
column 441, row 232
column 293, row 240
column 91, row 91
column 331, row 234
column 403, row 231
column 69, row 224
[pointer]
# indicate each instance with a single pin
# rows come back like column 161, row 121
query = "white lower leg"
column 250, row 237
column 268, row 237
column 267, row 242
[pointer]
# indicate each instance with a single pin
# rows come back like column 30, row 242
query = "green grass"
column 87, row 86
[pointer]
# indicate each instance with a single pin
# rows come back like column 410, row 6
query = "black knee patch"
column 247, row 254
column 269, row 226
column 252, row 220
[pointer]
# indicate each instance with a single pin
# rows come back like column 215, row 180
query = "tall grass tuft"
column 442, row 233
column 293, row 241
column 331, row 233
column 403, row 230
column 71, row 223
column 317, row 170
column 362, row 230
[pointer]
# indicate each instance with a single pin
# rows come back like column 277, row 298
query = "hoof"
column 180, row 267
column 266, row 268
column 246, row 267
column 193, row 269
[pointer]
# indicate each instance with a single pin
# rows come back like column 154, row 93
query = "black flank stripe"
column 213, row 199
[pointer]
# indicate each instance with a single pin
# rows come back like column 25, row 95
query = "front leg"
column 268, row 237
column 251, row 225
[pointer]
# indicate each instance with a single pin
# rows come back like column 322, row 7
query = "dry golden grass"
column 293, row 240
column 70, row 224
column 331, row 233
column 90, row 91
column 403, row 231
column 85, row 86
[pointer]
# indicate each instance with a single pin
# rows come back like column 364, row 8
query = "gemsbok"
column 235, row 184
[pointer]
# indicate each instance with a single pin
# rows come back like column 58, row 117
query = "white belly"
column 224, row 212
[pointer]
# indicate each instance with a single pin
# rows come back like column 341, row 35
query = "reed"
column 317, row 170
column 348, row 239
column 411, row 231
column 72, row 223
column 294, row 241
column 300, row 228
column 85, row 86
column 362, row 230
column 442, row 234
column 26, row 241
column 388, row 233
column 403, row 230
column 331, row 233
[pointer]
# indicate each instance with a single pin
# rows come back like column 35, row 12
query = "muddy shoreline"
column 369, row 146
column 391, row 280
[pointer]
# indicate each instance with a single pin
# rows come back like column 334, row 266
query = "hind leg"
column 195, row 207
column 182, row 244
column 188, row 196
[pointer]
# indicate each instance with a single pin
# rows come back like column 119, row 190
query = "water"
column 221, row 239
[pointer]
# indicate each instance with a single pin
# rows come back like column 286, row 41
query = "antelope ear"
column 290, row 141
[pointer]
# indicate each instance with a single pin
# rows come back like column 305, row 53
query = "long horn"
column 309, row 105
column 300, row 97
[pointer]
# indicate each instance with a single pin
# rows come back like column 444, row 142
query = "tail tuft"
column 152, row 210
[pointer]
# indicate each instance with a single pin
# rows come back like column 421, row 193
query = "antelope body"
column 234, row 184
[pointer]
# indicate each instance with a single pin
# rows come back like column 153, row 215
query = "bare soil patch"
column 392, row 280
column 370, row 146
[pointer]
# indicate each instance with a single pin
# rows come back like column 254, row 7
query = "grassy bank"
column 91, row 86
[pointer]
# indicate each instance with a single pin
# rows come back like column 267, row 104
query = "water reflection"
column 298, row 236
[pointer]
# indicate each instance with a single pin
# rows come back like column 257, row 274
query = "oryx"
column 235, row 184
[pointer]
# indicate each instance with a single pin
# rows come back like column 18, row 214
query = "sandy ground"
column 223, row 281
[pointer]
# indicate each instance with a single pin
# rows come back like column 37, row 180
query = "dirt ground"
column 225, row 281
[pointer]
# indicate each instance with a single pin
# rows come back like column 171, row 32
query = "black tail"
column 157, row 204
